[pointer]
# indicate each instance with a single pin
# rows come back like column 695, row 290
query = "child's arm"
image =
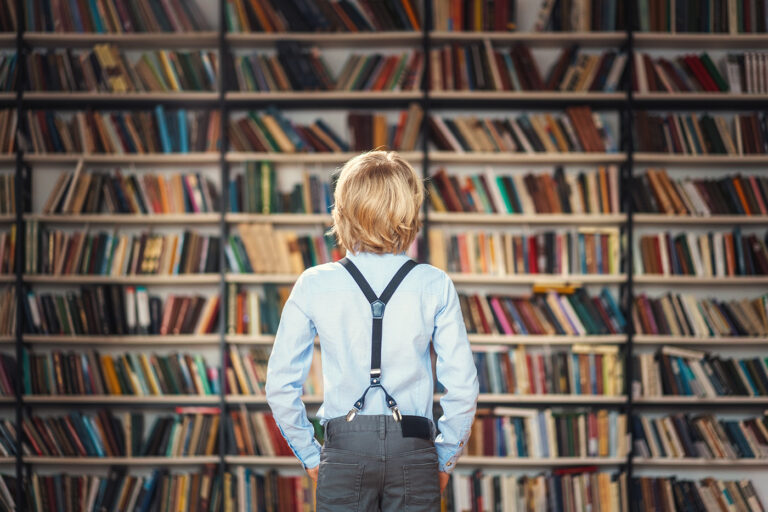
column 287, row 370
column 457, row 373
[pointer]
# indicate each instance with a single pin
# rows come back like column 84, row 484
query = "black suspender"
column 377, row 312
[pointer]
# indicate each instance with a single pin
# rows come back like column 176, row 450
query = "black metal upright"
column 426, row 45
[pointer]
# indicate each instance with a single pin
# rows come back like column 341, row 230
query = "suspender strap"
column 378, row 305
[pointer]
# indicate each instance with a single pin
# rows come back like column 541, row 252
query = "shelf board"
column 6, row 97
column 182, row 279
column 261, row 278
column 196, row 158
column 7, row 158
column 548, row 39
column 759, row 280
column 696, row 160
column 127, row 218
column 695, row 462
column 682, row 97
column 695, row 400
column 472, row 157
column 122, row 461
column 170, row 400
column 299, row 158
column 464, row 460
column 537, row 279
column 538, row 339
column 250, row 339
column 500, row 398
column 7, row 460
column 355, row 39
column 650, row 339
column 122, row 97
column 7, row 278
column 322, row 96
column 663, row 219
column 514, row 219
column 7, row 39
column 153, row 340
column 7, row 218
column 281, row 218
column 202, row 39
column 262, row 400
column 574, row 96
column 7, row 339
column 699, row 40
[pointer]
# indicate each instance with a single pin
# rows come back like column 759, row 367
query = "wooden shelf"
column 7, row 399
column 261, row 278
column 122, row 461
column 508, row 398
column 699, row 41
column 281, row 218
column 118, row 97
column 248, row 339
column 182, row 279
column 7, row 460
column 6, row 158
column 682, row 97
column 7, row 218
column 463, row 461
column 537, row 279
column 695, row 400
column 151, row 340
column 7, row 339
column 697, row 160
column 538, row 339
column 304, row 158
column 355, row 39
column 323, row 95
column 513, row 218
column 663, row 219
column 195, row 159
column 203, row 39
column 525, row 158
column 527, row 96
column 696, row 280
column 549, row 39
column 262, row 400
column 170, row 400
column 128, row 218
column 7, row 39
column 650, row 339
column 7, row 278
column 6, row 97
column 680, row 462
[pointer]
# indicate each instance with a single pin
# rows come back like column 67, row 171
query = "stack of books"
column 246, row 374
column 256, row 433
column 249, row 489
column 728, row 16
column 675, row 494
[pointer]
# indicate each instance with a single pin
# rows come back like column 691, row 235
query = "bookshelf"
column 228, row 100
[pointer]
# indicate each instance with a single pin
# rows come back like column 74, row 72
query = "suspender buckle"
column 377, row 309
column 376, row 377
column 396, row 413
column 351, row 414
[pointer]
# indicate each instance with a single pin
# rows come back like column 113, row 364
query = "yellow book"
column 164, row 197
column 237, row 365
column 170, row 73
column 211, row 441
column 108, row 369
column 154, row 387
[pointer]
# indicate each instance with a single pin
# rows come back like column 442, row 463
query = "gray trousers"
column 367, row 465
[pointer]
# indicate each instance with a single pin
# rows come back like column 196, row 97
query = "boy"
column 380, row 450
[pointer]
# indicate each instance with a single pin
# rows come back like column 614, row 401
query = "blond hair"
column 376, row 203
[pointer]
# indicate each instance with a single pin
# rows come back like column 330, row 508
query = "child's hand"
column 443, row 481
column 312, row 472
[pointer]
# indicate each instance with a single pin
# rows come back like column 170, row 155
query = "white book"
column 706, row 255
column 617, row 69
column 454, row 143
column 522, row 193
column 142, row 309
column 130, row 309
column 695, row 254
column 665, row 266
column 717, row 242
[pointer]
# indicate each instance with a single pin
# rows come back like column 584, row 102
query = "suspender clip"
column 396, row 413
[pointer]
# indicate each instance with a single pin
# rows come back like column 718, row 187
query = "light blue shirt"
column 327, row 302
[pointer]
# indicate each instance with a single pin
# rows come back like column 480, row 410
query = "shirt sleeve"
column 457, row 373
column 286, row 372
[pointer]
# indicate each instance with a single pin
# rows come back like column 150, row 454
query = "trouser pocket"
column 338, row 486
column 422, row 486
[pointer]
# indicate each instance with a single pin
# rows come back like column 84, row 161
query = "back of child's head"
column 376, row 203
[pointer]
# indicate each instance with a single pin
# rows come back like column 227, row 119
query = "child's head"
column 376, row 203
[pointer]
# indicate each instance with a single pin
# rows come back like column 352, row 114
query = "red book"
column 531, row 383
column 599, row 373
column 542, row 374
column 486, row 327
column 533, row 263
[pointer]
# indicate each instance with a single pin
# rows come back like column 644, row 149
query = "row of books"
column 9, row 71
column 8, row 124
column 702, row 436
column 578, row 251
column 106, row 69
column 717, row 16
column 369, row 130
column 547, row 313
column 115, row 16
column 577, row 130
column 576, row 16
column 252, row 314
column 134, row 374
column 8, row 20
column 584, row 370
column 677, row 495
column 713, row 254
column 7, row 193
column 7, row 311
column 8, row 375
column 480, row 67
column 472, row 16
column 655, row 192
column 686, row 315
column 8, row 251
column 58, row 252
column 295, row 68
column 256, row 190
column 535, row 433
column 157, row 131
column 263, row 250
column 702, row 135
column 743, row 73
column 674, row 371
column 321, row 16
column 256, row 433
column 81, row 191
column 8, row 438
column 583, row 192
column 246, row 373
column 190, row 431
column 247, row 489
column 118, row 310
column 577, row 489
column 159, row 491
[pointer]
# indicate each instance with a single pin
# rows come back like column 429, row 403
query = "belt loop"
column 382, row 427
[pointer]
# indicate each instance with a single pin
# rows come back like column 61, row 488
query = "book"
column 322, row 16
column 258, row 190
column 746, row 72
column 736, row 194
column 687, row 73
column 256, row 433
column 564, row 252
column 8, row 19
column 106, row 69
column 7, row 194
column 680, row 314
column 297, row 68
column 246, row 372
column 712, row 254
column 254, row 313
column 575, row 131
column 9, row 70
column 584, row 370
column 7, row 311
column 465, row 15
column 128, row 374
column 135, row 132
column 131, row 193
column 718, row 16
column 8, row 369
column 679, row 494
column 115, row 16
column 577, row 16
column 8, row 251
column 117, row 310
column 116, row 254
column 674, row 371
column 8, row 124
column 585, row 192
column 189, row 432
column 544, row 313
column 702, row 134
column 270, row 490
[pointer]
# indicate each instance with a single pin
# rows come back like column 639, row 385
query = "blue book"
column 677, row 372
column 287, row 127
column 162, row 127
column 688, row 375
column 148, row 492
column 515, row 315
column 185, row 372
column 181, row 121
column 599, row 254
column 234, row 204
column 500, row 450
column 74, row 10
column 58, row 147
column 738, row 245
column 522, row 445
column 90, row 427
column 544, row 440
column 89, row 442
column 98, row 27
column 605, row 294
column 576, row 374
column 327, row 129
column 657, row 438
column 592, row 374
column 743, row 366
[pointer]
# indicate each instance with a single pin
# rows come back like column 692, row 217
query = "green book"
column 265, row 132
column 201, row 372
column 713, row 72
column 504, row 195
column 481, row 192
